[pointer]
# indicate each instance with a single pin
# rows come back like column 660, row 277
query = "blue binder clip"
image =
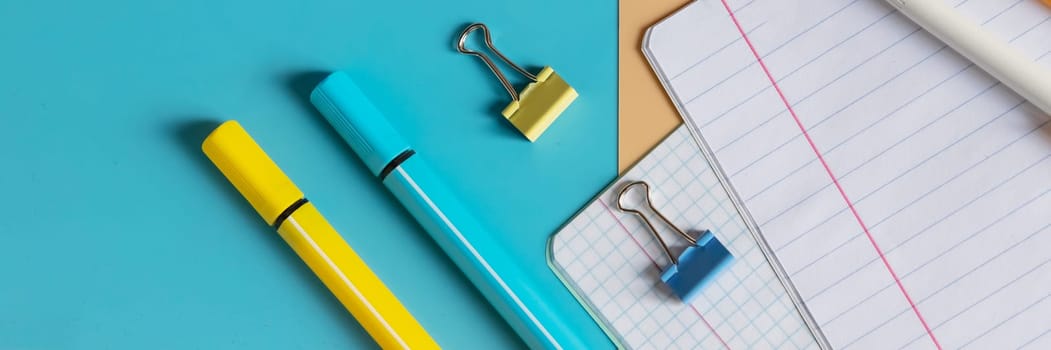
column 697, row 266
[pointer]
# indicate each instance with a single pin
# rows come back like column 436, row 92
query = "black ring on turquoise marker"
column 394, row 163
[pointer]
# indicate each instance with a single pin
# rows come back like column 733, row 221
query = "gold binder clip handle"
column 460, row 46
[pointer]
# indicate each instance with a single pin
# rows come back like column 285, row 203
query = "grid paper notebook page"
column 613, row 262
column 904, row 190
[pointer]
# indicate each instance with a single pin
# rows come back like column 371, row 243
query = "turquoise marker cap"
column 357, row 120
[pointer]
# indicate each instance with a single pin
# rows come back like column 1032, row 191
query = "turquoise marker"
column 458, row 233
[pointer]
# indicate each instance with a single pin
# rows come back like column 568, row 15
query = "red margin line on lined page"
column 654, row 261
column 828, row 170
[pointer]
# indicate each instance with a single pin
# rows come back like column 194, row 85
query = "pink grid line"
column 828, row 170
column 654, row 261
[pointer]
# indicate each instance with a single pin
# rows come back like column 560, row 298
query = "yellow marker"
column 282, row 205
column 539, row 104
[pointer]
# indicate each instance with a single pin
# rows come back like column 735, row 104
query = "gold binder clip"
column 532, row 111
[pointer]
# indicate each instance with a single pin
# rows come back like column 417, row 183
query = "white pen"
column 996, row 56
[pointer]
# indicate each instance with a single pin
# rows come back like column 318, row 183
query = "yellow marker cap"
column 250, row 170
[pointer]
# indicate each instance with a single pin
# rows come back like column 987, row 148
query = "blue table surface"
column 116, row 231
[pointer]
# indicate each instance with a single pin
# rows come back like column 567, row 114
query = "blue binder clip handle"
column 698, row 265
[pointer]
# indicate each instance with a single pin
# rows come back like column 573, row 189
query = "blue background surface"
column 116, row 231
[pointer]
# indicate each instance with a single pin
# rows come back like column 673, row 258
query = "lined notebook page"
column 904, row 190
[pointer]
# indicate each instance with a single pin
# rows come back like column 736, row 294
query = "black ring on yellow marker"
column 288, row 212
